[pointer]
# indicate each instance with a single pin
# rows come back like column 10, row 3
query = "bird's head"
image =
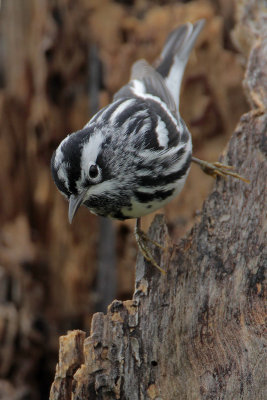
column 77, row 166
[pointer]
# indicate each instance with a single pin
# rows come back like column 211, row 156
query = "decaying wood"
column 71, row 354
column 198, row 331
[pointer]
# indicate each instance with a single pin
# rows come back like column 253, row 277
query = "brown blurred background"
column 59, row 61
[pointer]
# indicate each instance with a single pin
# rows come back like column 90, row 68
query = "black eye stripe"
column 93, row 171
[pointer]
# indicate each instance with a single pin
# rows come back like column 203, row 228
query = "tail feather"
column 175, row 54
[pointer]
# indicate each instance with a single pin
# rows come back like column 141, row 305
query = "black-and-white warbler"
column 134, row 155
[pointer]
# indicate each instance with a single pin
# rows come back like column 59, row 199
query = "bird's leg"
column 218, row 169
column 142, row 241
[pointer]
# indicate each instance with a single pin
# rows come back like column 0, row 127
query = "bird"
column 134, row 155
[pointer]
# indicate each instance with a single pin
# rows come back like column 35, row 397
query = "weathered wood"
column 198, row 332
column 71, row 355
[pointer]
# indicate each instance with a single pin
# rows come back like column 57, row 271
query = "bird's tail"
column 175, row 54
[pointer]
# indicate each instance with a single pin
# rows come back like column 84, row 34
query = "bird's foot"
column 218, row 169
column 142, row 240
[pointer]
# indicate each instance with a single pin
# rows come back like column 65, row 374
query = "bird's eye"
column 93, row 171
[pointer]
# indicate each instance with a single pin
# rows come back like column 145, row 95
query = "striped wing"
column 165, row 81
column 150, row 82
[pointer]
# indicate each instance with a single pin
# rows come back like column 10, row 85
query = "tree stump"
column 198, row 331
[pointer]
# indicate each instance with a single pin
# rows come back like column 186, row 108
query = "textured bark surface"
column 198, row 331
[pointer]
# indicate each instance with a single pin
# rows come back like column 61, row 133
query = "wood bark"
column 198, row 331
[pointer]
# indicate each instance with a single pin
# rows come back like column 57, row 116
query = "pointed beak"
column 74, row 204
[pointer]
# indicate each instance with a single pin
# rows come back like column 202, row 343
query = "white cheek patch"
column 100, row 188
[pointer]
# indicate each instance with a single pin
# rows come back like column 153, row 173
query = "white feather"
column 62, row 174
column 137, row 89
column 59, row 154
column 103, row 187
column 89, row 155
column 123, row 106
column 162, row 133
